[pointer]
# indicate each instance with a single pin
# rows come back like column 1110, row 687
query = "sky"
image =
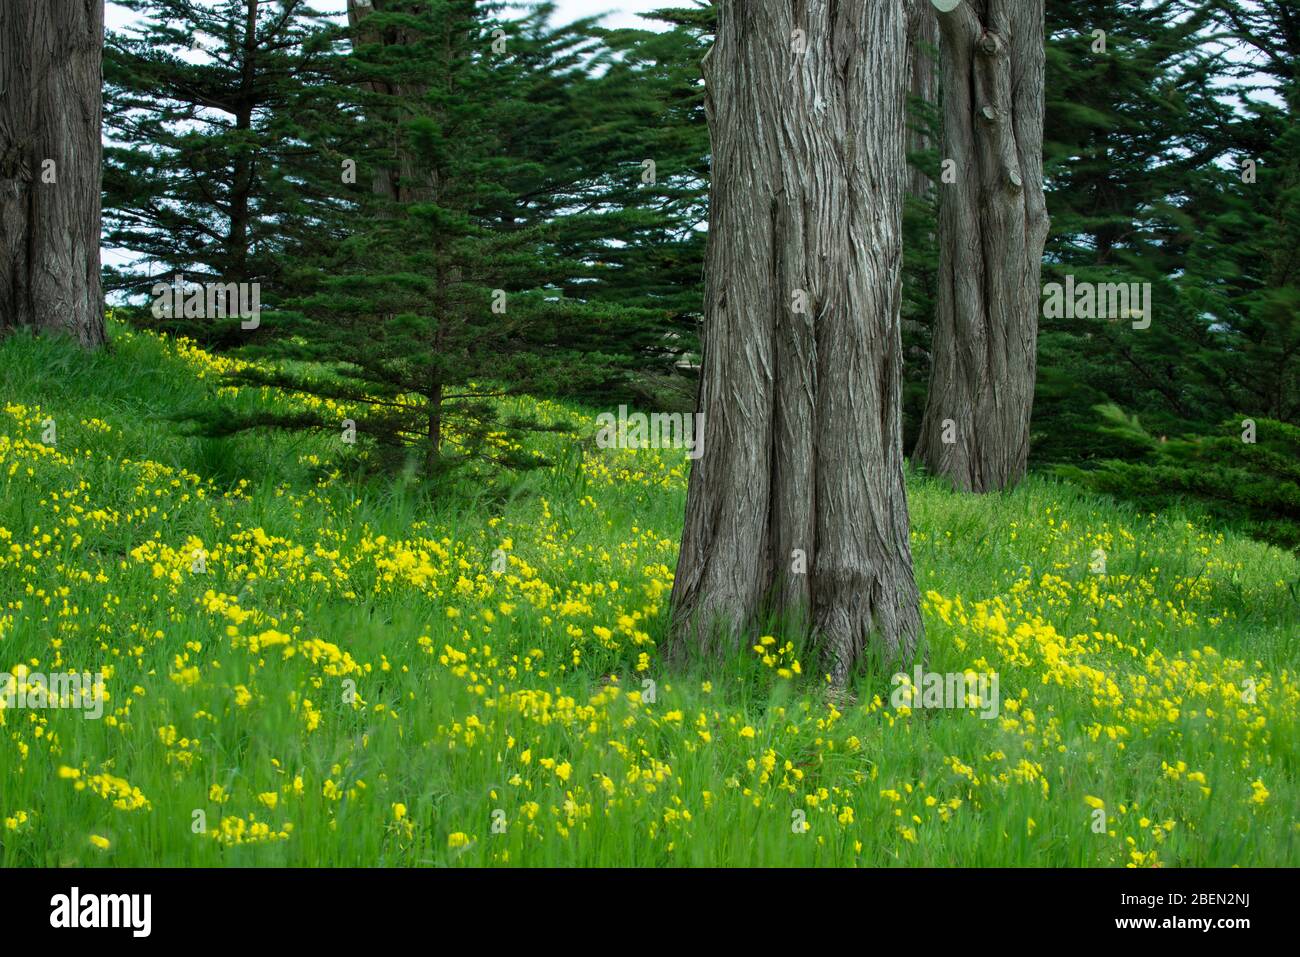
column 623, row 12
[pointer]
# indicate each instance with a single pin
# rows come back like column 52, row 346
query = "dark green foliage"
column 1145, row 144
column 1252, row 485
column 658, row 261
column 210, row 169
column 1126, row 127
column 478, row 265
column 1243, row 269
column 1128, row 130
column 519, row 177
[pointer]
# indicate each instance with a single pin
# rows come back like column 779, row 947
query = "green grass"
column 526, row 707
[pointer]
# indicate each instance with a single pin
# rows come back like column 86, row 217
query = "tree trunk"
column 241, row 184
column 797, row 503
column 992, row 227
column 50, row 167
column 408, row 181
column 923, row 73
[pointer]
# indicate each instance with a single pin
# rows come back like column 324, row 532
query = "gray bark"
column 51, row 110
column 802, row 430
column 992, row 227
column 923, row 73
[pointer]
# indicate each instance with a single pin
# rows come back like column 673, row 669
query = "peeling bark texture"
column 51, row 72
column 803, row 423
column 992, row 227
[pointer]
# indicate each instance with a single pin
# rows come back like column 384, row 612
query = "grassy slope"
column 486, row 697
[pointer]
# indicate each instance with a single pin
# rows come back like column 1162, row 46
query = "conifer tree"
column 1136, row 113
column 460, row 278
column 211, row 171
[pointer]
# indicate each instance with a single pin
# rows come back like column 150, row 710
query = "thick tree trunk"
column 923, row 73
column 992, row 227
column 798, row 499
column 50, row 166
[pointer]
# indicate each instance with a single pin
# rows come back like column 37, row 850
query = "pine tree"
column 1240, row 287
column 1246, row 474
column 211, row 169
column 1136, row 113
column 657, row 261
column 459, row 281
column 993, row 223
column 1243, row 269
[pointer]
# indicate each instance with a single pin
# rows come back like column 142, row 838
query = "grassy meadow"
column 306, row 669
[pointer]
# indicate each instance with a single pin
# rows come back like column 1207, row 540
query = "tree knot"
column 990, row 44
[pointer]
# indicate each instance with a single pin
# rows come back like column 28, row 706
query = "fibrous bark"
column 797, row 502
column 992, row 227
column 50, row 166
column 923, row 74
